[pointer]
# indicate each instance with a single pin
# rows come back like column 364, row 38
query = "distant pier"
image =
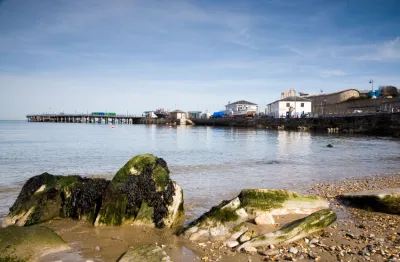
column 85, row 118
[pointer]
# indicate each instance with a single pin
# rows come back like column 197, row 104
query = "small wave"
column 268, row 162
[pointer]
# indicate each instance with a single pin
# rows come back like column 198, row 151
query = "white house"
column 294, row 104
column 241, row 105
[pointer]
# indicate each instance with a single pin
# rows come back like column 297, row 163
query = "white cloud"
column 332, row 73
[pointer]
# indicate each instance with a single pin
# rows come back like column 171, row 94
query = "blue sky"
column 126, row 55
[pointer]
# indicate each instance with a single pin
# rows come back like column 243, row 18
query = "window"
column 302, row 105
column 287, row 104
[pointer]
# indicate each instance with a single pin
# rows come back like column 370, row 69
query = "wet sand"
column 357, row 235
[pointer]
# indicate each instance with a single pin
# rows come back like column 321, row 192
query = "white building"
column 194, row 114
column 241, row 105
column 294, row 104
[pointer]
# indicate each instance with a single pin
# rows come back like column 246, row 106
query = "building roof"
column 242, row 102
column 178, row 111
column 292, row 99
column 333, row 93
column 194, row 112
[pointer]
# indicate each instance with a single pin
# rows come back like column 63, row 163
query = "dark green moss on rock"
column 29, row 243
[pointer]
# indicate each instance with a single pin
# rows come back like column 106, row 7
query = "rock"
column 29, row 243
column 385, row 200
column 231, row 244
column 250, row 249
column 293, row 250
column 264, row 219
column 314, row 241
column 97, row 248
column 295, row 230
column 350, row 235
column 146, row 253
column 141, row 193
column 329, row 145
column 219, row 223
column 280, row 202
column 247, row 236
column 46, row 196
column 228, row 218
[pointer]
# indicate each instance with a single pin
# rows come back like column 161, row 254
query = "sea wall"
column 380, row 124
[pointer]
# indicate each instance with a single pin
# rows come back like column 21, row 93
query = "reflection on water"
column 210, row 163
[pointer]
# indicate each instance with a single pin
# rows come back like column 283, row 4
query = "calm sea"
column 210, row 163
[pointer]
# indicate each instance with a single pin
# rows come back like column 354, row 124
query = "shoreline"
column 356, row 235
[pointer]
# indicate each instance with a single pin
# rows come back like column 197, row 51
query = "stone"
column 146, row 253
column 385, row 200
column 97, row 248
column 231, row 244
column 247, row 236
column 314, row 241
column 220, row 223
column 47, row 196
column 250, row 249
column 293, row 250
column 141, row 193
column 29, row 243
column 264, row 219
column 329, row 145
column 280, row 202
column 295, row 230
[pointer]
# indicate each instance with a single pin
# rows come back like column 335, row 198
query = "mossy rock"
column 294, row 231
column 141, row 190
column 138, row 164
column 29, row 243
column 220, row 221
column 146, row 253
column 217, row 224
column 280, row 202
column 385, row 200
column 47, row 196
column 143, row 193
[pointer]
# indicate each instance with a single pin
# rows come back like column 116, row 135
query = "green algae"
column 27, row 243
column 137, row 163
column 147, row 253
column 145, row 214
column 267, row 200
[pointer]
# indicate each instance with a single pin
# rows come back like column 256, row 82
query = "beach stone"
column 280, row 202
column 295, row 230
column 228, row 218
column 47, row 196
column 220, row 223
column 247, row 236
column 385, row 200
column 29, row 243
column 250, row 249
column 231, row 243
column 140, row 193
column 264, row 219
column 293, row 250
column 146, row 253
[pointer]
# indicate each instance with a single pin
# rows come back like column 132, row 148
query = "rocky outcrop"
column 227, row 220
column 140, row 193
column 29, row 243
column 386, row 200
column 146, row 253
column 46, row 196
column 293, row 231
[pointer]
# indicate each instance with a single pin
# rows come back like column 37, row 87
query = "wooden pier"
column 85, row 118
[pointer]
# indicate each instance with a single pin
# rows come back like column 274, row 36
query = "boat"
column 162, row 113
column 243, row 113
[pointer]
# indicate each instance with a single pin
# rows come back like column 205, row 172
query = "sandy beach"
column 357, row 235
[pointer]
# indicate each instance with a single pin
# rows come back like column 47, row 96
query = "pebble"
column 314, row 241
column 293, row 250
column 268, row 252
column 97, row 248
column 250, row 249
column 231, row 244
column 350, row 235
